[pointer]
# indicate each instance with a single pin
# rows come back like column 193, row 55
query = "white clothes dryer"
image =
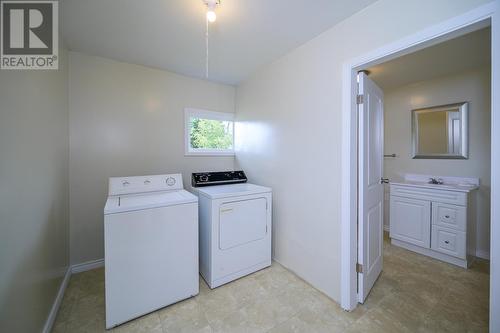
column 235, row 226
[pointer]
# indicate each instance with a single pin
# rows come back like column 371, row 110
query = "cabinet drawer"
column 449, row 216
column 448, row 241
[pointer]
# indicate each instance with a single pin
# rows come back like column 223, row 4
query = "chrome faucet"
column 437, row 181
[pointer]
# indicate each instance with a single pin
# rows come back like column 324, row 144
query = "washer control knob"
column 170, row 181
column 204, row 178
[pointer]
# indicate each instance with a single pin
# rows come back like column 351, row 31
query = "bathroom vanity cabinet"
column 433, row 220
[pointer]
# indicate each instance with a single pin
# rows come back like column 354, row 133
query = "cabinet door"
column 410, row 221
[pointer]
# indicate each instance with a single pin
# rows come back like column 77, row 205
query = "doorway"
column 454, row 28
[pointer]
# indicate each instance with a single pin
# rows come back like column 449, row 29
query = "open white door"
column 370, row 187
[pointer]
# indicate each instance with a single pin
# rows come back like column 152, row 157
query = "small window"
column 208, row 132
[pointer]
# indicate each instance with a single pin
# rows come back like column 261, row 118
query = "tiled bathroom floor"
column 413, row 294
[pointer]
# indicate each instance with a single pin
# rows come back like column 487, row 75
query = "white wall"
column 473, row 87
column 294, row 106
column 128, row 120
column 34, row 220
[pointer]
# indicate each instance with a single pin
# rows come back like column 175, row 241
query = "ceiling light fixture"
column 211, row 17
column 211, row 4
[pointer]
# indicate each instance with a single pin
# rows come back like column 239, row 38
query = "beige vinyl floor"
column 413, row 294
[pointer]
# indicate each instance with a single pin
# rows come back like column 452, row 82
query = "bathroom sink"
column 448, row 183
column 453, row 187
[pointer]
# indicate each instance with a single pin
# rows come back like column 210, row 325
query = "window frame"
column 210, row 115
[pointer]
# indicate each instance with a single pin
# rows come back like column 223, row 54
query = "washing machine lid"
column 147, row 200
column 235, row 190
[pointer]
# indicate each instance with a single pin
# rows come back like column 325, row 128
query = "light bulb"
column 211, row 17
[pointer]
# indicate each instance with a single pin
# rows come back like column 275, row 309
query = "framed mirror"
column 440, row 132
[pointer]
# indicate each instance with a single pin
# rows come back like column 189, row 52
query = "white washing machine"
column 235, row 226
column 151, row 245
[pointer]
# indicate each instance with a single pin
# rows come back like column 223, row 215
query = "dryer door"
column 242, row 222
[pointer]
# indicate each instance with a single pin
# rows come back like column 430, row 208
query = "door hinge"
column 359, row 268
column 360, row 99
column 384, row 180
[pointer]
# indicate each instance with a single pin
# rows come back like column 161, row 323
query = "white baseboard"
column 78, row 268
column 87, row 266
column 483, row 254
column 57, row 303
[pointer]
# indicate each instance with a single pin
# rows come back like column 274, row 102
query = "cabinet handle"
column 447, row 216
column 447, row 242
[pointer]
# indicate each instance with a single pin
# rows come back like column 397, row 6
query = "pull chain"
column 206, row 59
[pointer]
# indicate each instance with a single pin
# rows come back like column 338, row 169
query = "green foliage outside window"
column 211, row 134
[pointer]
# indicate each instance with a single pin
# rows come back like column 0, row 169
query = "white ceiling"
column 170, row 34
column 467, row 52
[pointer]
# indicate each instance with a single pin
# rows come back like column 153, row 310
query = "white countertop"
column 450, row 183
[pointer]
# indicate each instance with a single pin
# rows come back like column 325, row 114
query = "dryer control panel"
column 218, row 178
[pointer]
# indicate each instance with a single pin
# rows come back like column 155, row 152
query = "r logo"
column 28, row 28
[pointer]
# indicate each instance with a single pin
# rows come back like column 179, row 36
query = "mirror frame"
column 463, row 108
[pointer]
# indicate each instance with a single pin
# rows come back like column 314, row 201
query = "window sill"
column 209, row 153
